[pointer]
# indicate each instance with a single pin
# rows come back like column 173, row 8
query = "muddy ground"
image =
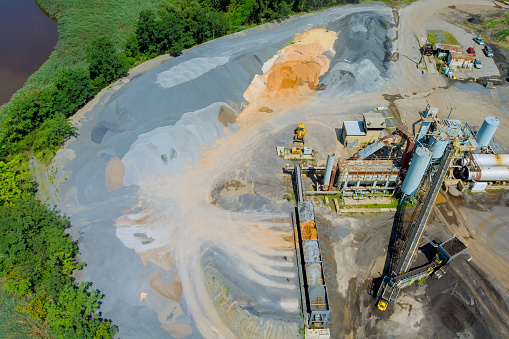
column 466, row 302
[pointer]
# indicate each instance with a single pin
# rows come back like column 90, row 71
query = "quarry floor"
column 176, row 195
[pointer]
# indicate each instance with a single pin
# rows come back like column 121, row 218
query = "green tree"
column 132, row 48
column 15, row 181
column 36, row 261
column 160, row 35
column 104, row 63
column 74, row 88
column 52, row 133
column 73, row 314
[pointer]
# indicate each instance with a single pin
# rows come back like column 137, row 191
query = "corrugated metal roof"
column 354, row 127
column 374, row 120
column 464, row 56
column 446, row 47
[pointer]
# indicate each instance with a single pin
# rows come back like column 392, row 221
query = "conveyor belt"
column 418, row 226
column 414, row 272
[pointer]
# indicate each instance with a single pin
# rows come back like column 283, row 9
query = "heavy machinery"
column 403, row 275
column 299, row 134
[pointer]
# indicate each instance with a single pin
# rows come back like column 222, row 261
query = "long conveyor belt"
column 418, row 226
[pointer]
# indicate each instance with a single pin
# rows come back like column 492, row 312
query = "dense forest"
column 98, row 42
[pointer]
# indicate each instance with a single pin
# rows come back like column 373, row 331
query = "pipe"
column 484, row 160
column 493, row 173
column 328, row 169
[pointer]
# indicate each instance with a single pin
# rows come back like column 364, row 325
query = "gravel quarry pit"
column 175, row 191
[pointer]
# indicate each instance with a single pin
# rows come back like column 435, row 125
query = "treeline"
column 181, row 24
column 36, row 254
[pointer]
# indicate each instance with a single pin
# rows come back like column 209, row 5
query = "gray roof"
column 354, row 127
column 374, row 120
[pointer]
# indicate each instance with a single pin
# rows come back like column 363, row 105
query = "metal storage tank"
column 420, row 162
column 491, row 159
column 488, row 128
column 493, row 173
column 328, row 169
column 439, row 142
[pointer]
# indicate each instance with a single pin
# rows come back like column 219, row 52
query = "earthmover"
column 299, row 133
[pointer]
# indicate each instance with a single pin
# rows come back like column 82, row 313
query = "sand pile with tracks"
column 296, row 68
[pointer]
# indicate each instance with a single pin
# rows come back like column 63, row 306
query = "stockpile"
column 297, row 67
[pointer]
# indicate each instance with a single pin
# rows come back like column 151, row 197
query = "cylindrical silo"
column 488, row 128
column 492, row 173
column 420, row 161
column 328, row 169
column 491, row 159
column 439, row 141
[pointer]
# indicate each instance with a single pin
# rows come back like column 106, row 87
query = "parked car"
column 471, row 50
column 479, row 40
column 488, row 51
column 477, row 63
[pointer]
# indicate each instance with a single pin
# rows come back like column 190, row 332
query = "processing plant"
column 412, row 165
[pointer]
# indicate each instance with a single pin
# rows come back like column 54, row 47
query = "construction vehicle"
column 427, row 49
column 299, row 134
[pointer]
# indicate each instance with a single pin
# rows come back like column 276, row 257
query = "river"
column 27, row 38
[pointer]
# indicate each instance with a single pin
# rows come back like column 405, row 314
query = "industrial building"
column 363, row 133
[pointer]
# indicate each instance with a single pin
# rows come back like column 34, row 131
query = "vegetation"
column 442, row 37
column 499, row 27
column 36, row 260
column 289, row 197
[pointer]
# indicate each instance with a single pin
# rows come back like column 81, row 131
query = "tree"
column 74, row 88
column 104, row 63
column 37, row 258
column 52, row 133
column 15, row 181
column 160, row 35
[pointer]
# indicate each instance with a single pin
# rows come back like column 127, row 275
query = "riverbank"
column 28, row 37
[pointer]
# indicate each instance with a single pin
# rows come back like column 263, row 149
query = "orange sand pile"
column 308, row 230
column 114, row 174
column 297, row 68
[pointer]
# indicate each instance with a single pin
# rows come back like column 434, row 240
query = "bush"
column 104, row 63
column 36, row 260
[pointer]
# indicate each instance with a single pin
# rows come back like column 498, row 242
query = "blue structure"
column 487, row 131
column 413, row 178
column 438, row 142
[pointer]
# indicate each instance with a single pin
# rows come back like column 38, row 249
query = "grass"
column 79, row 22
column 435, row 37
column 289, row 197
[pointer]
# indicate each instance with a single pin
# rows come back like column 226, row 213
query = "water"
column 27, row 38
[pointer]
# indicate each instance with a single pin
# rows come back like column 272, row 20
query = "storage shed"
column 362, row 133
column 444, row 49
column 455, row 59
